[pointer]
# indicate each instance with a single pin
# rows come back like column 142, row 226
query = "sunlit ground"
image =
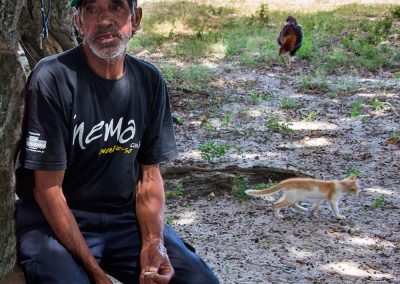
column 351, row 268
column 302, row 5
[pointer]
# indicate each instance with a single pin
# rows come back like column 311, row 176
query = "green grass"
column 378, row 202
column 353, row 171
column 257, row 98
column 312, row 83
column 356, row 108
column 378, row 105
column 275, row 125
column 210, row 150
column 310, row 116
column 176, row 192
column 194, row 77
column 169, row 220
column 333, row 40
column 261, row 186
column 394, row 137
column 227, row 120
column 240, row 185
column 287, row 104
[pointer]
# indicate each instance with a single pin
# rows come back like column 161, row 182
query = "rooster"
column 290, row 37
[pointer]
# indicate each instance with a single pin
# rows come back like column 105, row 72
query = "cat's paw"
column 340, row 217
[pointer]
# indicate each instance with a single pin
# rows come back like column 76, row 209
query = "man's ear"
column 78, row 24
column 136, row 19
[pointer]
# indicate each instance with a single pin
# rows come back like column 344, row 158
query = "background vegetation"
column 363, row 37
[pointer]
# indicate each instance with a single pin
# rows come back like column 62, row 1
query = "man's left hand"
column 155, row 264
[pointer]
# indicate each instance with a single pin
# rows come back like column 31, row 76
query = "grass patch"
column 353, row 171
column 176, row 192
column 314, row 84
column 169, row 220
column 356, row 108
column 310, row 116
column 257, row 98
column 211, row 150
column 396, row 12
column 394, row 138
column 195, row 77
column 287, row 103
column 275, row 125
column 240, row 185
column 378, row 202
column 333, row 40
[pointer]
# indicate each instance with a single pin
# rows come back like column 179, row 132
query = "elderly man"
column 96, row 126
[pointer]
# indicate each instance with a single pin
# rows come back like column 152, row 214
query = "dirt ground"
column 240, row 238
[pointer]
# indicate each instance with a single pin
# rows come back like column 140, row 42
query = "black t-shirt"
column 95, row 129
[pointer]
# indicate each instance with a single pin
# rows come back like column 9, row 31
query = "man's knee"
column 201, row 274
column 189, row 267
column 37, row 271
column 45, row 260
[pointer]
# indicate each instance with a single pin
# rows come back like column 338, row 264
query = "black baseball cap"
column 76, row 3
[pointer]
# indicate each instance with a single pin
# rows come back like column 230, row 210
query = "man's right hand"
column 49, row 195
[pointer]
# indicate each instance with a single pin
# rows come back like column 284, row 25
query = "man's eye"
column 91, row 10
column 116, row 6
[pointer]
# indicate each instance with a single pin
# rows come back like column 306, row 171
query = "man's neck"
column 111, row 69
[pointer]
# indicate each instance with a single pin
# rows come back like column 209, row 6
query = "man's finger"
column 161, row 279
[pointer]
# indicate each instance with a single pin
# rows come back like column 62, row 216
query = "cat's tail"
column 262, row 192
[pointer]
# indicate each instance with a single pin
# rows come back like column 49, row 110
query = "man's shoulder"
column 143, row 66
column 66, row 60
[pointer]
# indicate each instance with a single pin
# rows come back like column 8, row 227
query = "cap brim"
column 75, row 3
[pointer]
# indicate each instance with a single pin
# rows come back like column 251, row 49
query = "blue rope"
column 45, row 20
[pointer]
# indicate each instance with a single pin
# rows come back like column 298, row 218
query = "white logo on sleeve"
column 34, row 144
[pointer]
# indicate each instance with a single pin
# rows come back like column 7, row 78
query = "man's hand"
column 155, row 264
column 150, row 203
column 49, row 195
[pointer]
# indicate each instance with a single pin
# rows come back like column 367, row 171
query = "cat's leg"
column 281, row 203
column 301, row 208
column 335, row 209
column 316, row 207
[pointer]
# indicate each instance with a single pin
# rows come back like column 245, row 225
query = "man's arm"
column 150, row 204
column 48, row 193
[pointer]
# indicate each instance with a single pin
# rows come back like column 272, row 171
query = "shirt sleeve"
column 158, row 142
column 47, row 132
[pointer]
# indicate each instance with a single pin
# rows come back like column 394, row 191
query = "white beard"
column 108, row 51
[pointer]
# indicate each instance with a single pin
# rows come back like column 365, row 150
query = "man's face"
column 107, row 26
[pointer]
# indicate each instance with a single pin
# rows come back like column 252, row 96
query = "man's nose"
column 105, row 18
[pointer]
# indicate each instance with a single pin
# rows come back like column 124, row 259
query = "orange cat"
column 298, row 189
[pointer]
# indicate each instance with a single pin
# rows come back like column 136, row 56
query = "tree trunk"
column 21, row 22
column 12, row 80
column 193, row 182
column 60, row 32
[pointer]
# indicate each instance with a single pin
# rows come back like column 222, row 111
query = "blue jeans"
column 114, row 240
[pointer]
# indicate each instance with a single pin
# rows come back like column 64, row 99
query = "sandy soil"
column 239, row 238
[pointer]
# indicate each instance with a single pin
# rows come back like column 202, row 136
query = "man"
column 97, row 123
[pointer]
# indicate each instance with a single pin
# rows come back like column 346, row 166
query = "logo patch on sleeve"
column 34, row 144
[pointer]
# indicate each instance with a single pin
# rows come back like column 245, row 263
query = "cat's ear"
column 352, row 177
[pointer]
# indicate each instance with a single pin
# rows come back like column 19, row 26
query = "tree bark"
column 194, row 181
column 12, row 80
column 21, row 23
column 60, row 29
